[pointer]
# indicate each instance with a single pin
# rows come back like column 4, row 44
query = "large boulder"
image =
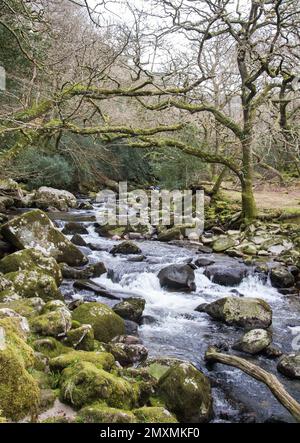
column 55, row 321
column 126, row 248
column 35, row 230
column 170, row 234
column 130, row 309
column 81, row 338
column 19, row 392
column 254, row 341
column 27, row 259
column 281, row 277
column 105, row 322
column 35, row 284
column 226, row 275
column 128, row 354
column 289, row 365
column 249, row 313
column 83, row 383
column 187, row 393
column 91, row 271
column 177, row 277
column 46, row 197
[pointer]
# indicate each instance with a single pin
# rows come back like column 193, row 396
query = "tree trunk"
column 216, row 188
column 249, row 210
column 214, row 356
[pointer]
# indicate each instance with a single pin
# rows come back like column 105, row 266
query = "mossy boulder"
column 19, row 392
column 249, row 313
column 62, row 200
column 100, row 413
column 154, row 415
column 27, row 307
column 102, row 360
column 34, row 229
column 83, row 383
column 21, row 321
column 105, row 322
column 54, row 323
column 5, row 284
column 186, row 392
column 35, row 283
column 81, row 338
column 126, row 248
column 131, row 309
column 49, row 347
column 158, row 366
column 281, row 277
column 29, row 259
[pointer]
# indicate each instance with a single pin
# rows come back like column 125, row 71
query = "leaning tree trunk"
column 214, row 356
column 248, row 201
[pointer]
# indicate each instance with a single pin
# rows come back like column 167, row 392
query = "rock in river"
column 254, row 341
column 35, row 230
column 289, row 365
column 249, row 313
column 226, row 275
column 177, row 277
column 126, row 248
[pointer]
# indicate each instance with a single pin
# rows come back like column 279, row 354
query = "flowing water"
column 173, row 328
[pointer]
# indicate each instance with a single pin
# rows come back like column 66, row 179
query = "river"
column 173, row 328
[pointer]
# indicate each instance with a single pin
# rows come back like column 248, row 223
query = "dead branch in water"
column 272, row 382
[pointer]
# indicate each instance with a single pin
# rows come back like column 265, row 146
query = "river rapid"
column 173, row 328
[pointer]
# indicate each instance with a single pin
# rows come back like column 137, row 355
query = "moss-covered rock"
column 100, row 413
column 83, row 383
column 81, row 338
column 21, row 321
column 158, row 366
column 29, row 259
column 19, row 392
column 249, row 313
column 5, row 284
column 126, row 248
column 106, row 324
column 53, row 323
column 170, row 234
column 29, row 308
column 187, row 393
column 222, row 244
column 154, row 415
column 130, row 309
column 35, row 283
column 46, row 197
column 102, row 360
column 49, row 347
column 35, row 230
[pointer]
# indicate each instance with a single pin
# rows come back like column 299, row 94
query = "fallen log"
column 214, row 356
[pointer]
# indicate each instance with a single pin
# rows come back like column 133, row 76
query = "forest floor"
column 273, row 197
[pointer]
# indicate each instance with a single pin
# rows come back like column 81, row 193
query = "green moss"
column 35, row 283
column 186, row 392
column 50, row 347
column 28, row 308
column 100, row 413
column 83, row 383
column 53, row 324
column 102, row 360
column 29, row 259
column 81, row 338
column 106, row 324
column 154, row 415
column 35, row 230
column 19, row 392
